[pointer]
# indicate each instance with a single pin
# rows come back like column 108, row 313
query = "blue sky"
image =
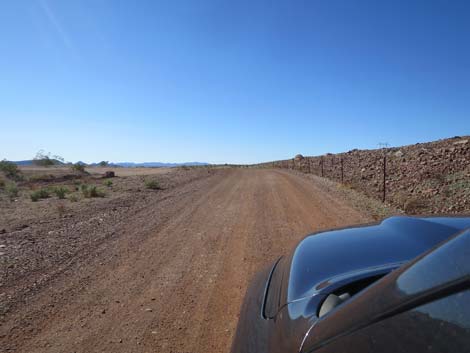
column 229, row 81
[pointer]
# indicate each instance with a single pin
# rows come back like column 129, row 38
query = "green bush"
column 83, row 188
column 90, row 191
column 93, row 191
column 61, row 191
column 12, row 190
column 78, row 167
column 2, row 183
column 73, row 198
column 10, row 169
column 107, row 183
column 152, row 184
column 77, row 184
column 39, row 194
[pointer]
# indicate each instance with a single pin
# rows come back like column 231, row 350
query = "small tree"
column 78, row 167
column 45, row 159
column 103, row 163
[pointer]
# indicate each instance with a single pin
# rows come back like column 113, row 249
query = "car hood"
column 326, row 260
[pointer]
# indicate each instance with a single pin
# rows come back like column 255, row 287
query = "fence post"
column 384, row 177
column 321, row 163
column 342, row 171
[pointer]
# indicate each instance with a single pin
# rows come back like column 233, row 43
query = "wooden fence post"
column 384, row 177
column 342, row 171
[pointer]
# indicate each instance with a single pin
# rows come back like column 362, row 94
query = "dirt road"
column 174, row 277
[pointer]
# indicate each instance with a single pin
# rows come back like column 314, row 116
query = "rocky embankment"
column 431, row 177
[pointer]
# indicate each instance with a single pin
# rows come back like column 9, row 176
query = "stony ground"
column 424, row 178
column 144, row 270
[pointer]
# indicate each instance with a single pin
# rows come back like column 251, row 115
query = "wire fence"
column 433, row 178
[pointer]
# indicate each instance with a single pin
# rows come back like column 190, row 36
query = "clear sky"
column 229, row 81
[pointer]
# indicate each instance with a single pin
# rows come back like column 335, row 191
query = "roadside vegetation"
column 71, row 183
column 11, row 190
column 37, row 195
column 10, row 170
column 8, row 182
column 61, row 191
column 90, row 191
column 45, row 159
column 73, row 198
column 78, row 167
column 153, row 184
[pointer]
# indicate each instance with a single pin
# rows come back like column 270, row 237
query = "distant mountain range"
column 124, row 164
column 30, row 162
column 152, row 164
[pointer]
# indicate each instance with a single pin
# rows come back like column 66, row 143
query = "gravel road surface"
column 173, row 276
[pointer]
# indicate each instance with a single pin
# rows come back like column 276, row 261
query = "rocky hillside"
column 422, row 178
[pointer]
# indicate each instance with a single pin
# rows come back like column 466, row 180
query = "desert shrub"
column 90, row 191
column 103, row 163
column 152, row 184
column 400, row 198
column 2, row 183
column 40, row 194
column 108, row 183
column 411, row 204
column 95, row 192
column 73, row 198
column 414, row 205
column 61, row 191
column 77, row 184
column 10, row 169
column 78, row 167
column 12, row 190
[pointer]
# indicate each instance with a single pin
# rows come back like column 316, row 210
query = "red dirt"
column 168, row 276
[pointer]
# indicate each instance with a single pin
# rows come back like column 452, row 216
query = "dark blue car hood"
column 324, row 259
column 282, row 303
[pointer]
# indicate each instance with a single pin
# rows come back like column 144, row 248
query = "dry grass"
column 414, row 205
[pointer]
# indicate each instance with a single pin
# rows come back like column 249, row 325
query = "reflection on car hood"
column 324, row 257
